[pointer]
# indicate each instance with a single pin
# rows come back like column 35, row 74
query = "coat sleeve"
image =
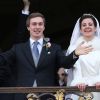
column 21, row 32
column 7, row 57
column 65, row 61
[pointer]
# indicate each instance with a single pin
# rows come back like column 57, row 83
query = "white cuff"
column 26, row 12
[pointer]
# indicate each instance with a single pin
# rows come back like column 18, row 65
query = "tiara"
column 86, row 14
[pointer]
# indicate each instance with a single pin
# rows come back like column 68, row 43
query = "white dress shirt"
column 39, row 46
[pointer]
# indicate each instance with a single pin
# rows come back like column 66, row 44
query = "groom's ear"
column 28, row 28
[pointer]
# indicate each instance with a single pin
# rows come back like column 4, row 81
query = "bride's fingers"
column 98, row 85
column 81, row 87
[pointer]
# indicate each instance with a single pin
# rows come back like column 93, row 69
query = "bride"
column 86, row 71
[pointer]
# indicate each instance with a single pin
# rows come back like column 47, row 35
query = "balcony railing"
column 56, row 91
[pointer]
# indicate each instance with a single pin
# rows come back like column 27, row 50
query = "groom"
column 33, row 71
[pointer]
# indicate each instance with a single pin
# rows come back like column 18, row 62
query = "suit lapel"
column 28, row 53
column 29, row 56
column 43, row 54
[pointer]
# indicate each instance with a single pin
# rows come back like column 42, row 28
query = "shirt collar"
column 39, row 40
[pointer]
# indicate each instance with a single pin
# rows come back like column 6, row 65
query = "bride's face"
column 88, row 28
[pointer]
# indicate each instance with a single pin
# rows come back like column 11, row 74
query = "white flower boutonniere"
column 47, row 44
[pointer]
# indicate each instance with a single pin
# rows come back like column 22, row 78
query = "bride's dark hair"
column 85, row 16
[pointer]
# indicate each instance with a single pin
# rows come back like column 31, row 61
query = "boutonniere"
column 47, row 44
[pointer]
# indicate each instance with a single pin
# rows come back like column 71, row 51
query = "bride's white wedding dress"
column 87, row 68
